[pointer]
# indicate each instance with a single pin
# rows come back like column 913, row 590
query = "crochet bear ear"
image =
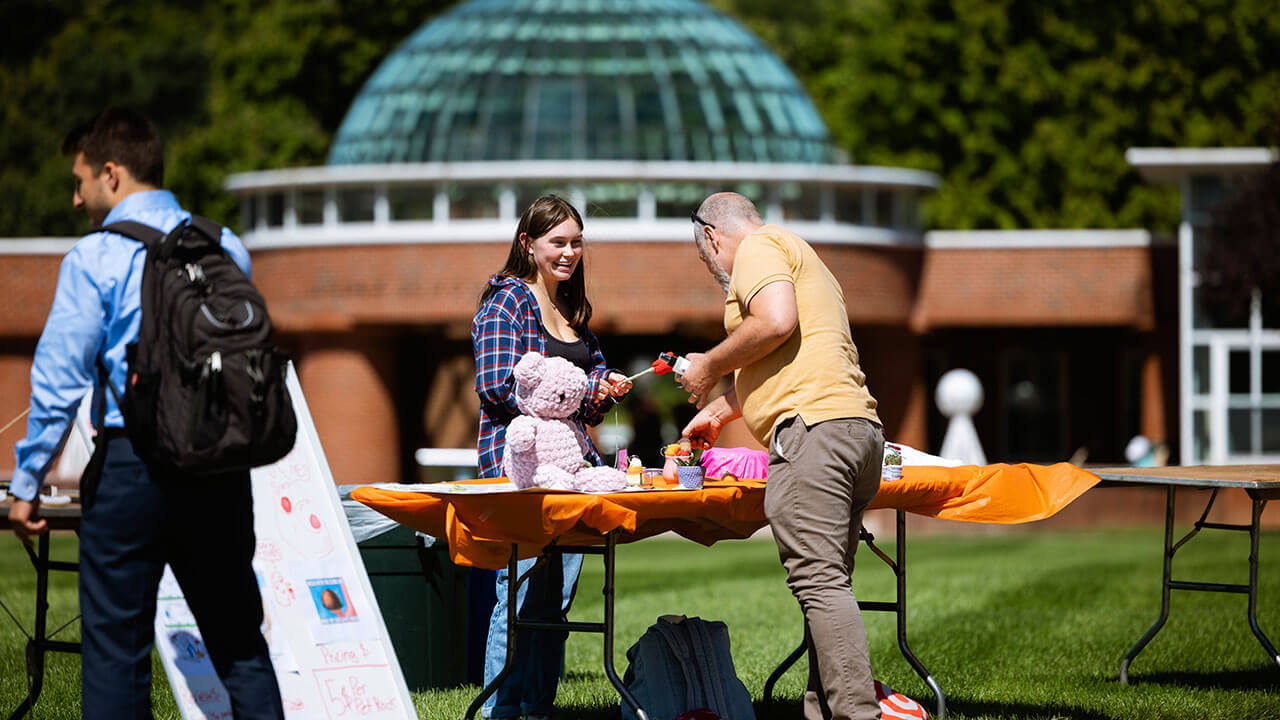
column 528, row 371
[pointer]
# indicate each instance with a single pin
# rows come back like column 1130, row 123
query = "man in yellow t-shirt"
column 799, row 388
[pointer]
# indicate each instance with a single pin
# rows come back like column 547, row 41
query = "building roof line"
column 579, row 170
column 1170, row 165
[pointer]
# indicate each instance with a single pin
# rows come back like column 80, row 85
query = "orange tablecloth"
column 480, row 528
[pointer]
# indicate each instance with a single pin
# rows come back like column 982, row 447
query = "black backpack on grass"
column 205, row 391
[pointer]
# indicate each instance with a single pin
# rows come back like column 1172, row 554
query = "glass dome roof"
column 495, row 80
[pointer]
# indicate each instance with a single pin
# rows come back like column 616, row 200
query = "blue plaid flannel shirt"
column 507, row 326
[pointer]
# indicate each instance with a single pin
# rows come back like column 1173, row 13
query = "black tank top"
column 575, row 352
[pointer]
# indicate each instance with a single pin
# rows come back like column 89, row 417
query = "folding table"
column 496, row 529
column 59, row 517
column 1261, row 482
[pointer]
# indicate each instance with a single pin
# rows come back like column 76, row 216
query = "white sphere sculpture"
column 959, row 393
column 1137, row 449
column 959, row 396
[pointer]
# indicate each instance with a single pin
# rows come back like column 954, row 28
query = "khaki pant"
column 821, row 479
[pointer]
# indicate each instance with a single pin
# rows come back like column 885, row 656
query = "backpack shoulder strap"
column 144, row 234
column 209, row 228
column 677, row 640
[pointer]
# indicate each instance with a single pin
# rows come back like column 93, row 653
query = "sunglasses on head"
column 693, row 216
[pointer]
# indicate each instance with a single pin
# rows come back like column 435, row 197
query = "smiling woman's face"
column 557, row 253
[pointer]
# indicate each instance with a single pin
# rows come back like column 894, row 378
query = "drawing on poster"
column 189, row 653
column 277, row 641
column 333, row 603
column 297, row 513
column 272, row 580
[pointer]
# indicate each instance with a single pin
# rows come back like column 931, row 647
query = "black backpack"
column 205, row 391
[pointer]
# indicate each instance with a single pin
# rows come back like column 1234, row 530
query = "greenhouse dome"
column 650, row 80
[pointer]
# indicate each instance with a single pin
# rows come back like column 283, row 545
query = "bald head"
column 730, row 213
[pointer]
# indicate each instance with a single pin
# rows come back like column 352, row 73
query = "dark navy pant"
column 203, row 528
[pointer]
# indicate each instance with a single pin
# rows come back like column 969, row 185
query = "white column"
column 1186, row 429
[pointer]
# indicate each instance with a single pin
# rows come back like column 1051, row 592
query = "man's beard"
column 713, row 266
column 721, row 276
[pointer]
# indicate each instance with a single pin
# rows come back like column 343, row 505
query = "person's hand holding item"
column 703, row 429
column 24, row 516
column 615, row 385
column 699, row 379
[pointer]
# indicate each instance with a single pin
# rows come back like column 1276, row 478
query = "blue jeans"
column 530, row 688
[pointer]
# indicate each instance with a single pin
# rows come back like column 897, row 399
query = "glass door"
column 1238, row 420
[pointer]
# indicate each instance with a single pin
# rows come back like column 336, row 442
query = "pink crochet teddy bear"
column 544, row 448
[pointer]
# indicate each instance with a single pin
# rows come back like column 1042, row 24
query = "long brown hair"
column 544, row 214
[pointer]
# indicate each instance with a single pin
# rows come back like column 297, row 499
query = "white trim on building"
column 598, row 230
column 1170, row 165
column 1035, row 239
column 839, row 204
column 37, row 246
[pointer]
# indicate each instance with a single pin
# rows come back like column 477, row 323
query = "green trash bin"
column 423, row 598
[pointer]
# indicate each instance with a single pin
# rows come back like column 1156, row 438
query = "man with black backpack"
column 145, row 509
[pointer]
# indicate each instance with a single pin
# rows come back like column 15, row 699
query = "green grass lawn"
column 1020, row 625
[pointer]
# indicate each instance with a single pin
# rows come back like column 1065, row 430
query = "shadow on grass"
column 1263, row 678
column 781, row 710
column 1022, row 710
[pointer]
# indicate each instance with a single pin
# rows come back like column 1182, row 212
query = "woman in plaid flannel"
column 538, row 302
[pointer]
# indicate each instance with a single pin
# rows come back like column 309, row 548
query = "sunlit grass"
column 1022, row 625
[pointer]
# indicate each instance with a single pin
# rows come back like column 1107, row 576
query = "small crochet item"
column 543, row 447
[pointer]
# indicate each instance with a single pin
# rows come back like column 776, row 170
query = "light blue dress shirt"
column 96, row 312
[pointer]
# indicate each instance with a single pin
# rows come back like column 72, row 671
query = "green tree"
column 1026, row 108
column 233, row 86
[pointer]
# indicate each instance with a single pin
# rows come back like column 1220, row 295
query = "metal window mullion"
column 331, row 218
column 507, row 202
column 646, row 203
column 260, row 210
column 246, row 213
column 1218, row 386
column 381, row 205
column 291, row 209
column 440, row 208
column 773, row 205
column 1255, row 371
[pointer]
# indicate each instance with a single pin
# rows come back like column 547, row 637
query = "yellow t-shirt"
column 815, row 372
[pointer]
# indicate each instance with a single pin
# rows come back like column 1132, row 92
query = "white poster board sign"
column 332, row 655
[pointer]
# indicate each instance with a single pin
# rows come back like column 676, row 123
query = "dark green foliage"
column 232, row 85
column 1244, row 251
column 1025, row 109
